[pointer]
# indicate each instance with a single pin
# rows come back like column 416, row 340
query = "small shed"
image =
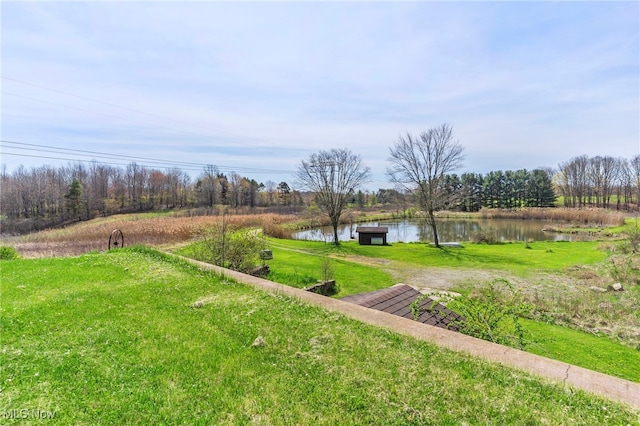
column 372, row 235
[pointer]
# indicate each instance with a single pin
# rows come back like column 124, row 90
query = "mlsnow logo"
column 26, row 413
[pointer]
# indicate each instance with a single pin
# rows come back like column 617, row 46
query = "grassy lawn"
column 587, row 350
column 302, row 270
column 519, row 258
column 302, row 267
column 599, row 353
column 115, row 338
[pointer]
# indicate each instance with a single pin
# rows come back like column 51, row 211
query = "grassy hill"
column 134, row 337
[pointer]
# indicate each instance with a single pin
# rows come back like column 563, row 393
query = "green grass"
column 303, row 269
column 519, row 258
column 583, row 349
column 113, row 339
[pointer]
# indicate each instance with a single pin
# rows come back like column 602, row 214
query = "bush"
column 276, row 231
column 227, row 246
column 491, row 315
column 8, row 253
column 484, row 236
column 326, row 270
column 625, row 268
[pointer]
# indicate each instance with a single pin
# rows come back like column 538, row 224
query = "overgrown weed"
column 586, row 216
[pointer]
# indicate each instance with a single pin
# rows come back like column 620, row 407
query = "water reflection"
column 411, row 230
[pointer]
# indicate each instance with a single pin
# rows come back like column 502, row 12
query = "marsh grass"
column 585, row 216
column 154, row 230
column 118, row 338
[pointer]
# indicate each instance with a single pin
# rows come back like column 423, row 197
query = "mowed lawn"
column 517, row 257
column 135, row 337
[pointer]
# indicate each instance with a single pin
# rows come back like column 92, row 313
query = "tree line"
column 40, row 197
column 45, row 196
column 599, row 181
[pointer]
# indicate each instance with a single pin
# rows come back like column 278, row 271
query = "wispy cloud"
column 264, row 84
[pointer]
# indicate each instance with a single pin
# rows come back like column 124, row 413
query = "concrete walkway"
column 609, row 387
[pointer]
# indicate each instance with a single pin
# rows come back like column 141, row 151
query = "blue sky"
column 257, row 87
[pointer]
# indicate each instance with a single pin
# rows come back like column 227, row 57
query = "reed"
column 156, row 231
column 584, row 217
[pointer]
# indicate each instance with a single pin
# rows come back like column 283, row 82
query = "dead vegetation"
column 157, row 231
column 583, row 217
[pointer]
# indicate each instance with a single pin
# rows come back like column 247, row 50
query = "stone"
column 260, row 271
column 615, row 287
column 325, row 288
column 597, row 289
column 258, row 342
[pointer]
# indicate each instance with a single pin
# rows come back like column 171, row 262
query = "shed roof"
column 397, row 300
column 372, row 229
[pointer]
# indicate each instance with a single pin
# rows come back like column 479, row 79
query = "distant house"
column 372, row 235
column 397, row 300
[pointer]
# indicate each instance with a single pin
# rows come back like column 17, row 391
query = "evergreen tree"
column 73, row 197
column 540, row 190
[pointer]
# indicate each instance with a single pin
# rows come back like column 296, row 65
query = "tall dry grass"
column 157, row 231
column 585, row 217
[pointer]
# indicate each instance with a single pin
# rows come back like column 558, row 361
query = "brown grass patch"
column 586, row 217
column 94, row 235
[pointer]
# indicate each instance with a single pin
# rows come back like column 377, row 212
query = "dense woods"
column 45, row 196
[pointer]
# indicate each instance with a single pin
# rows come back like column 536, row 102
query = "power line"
column 83, row 153
column 100, row 154
column 76, row 160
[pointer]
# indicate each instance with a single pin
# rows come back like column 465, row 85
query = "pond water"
column 413, row 230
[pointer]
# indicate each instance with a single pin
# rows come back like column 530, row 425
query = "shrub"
column 484, row 236
column 491, row 315
column 8, row 253
column 625, row 268
column 326, row 270
column 227, row 246
column 276, row 231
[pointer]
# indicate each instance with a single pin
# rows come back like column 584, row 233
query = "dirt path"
column 427, row 278
column 431, row 278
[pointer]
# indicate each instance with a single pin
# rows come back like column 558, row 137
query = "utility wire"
column 66, row 151
column 80, row 160
column 83, row 153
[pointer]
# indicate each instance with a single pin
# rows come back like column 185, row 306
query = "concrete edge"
column 613, row 388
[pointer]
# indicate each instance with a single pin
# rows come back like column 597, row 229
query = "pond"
column 413, row 230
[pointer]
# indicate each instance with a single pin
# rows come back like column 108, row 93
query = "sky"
column 257, row 87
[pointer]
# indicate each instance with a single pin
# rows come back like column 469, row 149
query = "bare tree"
column 270, row 189
column 420, row 165
column 208, row 186
column 635, row 170
column 333, row 176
